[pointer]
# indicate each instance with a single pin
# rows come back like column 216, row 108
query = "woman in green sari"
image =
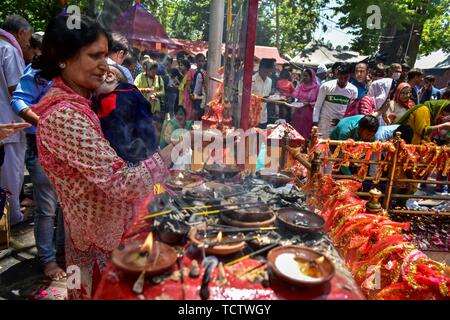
column 427, row 119
column 179, row 122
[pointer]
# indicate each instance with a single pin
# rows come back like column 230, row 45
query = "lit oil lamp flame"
column 219, row 237
column 148, row 244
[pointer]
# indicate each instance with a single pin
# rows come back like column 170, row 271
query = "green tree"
column 37, row 12
column 405, row 24
column 297, row 21
column 265, row 28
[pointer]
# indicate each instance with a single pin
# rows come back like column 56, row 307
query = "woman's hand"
column 9, row 129
column 166, row 155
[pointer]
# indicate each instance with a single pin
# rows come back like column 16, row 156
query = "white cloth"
column 183, row 161
column 395, row 109
column 379, row 90
column 11, row 176
column 262, row 88
column 11, row 69
column 331, row 104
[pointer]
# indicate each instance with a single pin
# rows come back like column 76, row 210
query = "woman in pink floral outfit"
column 98, row 191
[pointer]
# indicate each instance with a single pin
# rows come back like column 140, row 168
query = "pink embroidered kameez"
column 98, row 192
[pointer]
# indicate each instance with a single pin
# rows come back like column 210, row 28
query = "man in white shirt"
column 333, row 99
column 262, row 86
column 15, row 35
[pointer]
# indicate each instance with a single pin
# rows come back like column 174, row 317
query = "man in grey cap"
column 321, row 73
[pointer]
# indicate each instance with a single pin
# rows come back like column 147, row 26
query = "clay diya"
column 218, row 245
column 172, row 231
column 250, row 215
column 182, row 179
column 152, row 257
column 300, row 220
column 209, row 192
column 276, row 179
column 222, row 171
column 300, row 266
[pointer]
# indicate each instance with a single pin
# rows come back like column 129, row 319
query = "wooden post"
column 315, row 170
column 314, row 137
column 387, row 199
column 284, row 151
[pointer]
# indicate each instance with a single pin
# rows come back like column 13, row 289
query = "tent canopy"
column 315, row 54
column 141, row 28
column 436, row 60
column 195, row 47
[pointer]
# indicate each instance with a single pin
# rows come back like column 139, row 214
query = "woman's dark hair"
column 186, row 64
column 369, row 123
column 284, row 74
column 150, row 65
column 180, row 109
column 309, row 72
column 61, row 43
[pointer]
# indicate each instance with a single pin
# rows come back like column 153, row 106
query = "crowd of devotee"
column 91, row 119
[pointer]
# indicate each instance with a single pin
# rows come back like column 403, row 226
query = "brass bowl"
column 125, row 258
column 176, row 183
column 283, row 271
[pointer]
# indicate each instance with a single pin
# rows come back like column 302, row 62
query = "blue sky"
column 334, row 34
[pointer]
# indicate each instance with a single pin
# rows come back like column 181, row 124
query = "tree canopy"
column 431, row 16
column 288, row 24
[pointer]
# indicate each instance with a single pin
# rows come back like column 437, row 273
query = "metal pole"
column 216, row 20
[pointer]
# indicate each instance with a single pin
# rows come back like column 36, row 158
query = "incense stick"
column 273, row 245
column 231, row 241
column 232, row 229
column 220, row 209
column 251, row 269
